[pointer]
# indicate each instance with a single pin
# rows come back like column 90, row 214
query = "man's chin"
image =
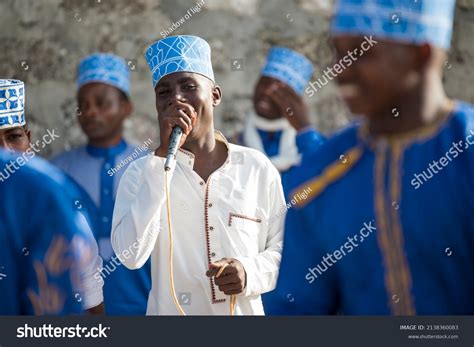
column 95, row 136
column 93, row 131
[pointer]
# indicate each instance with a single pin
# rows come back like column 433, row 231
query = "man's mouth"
column 92, row 125
column 264, row 105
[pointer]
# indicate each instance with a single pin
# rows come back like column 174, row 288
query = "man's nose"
column 177, row 96
column 89, row 111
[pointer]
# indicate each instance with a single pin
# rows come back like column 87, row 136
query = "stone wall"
column 42, row 42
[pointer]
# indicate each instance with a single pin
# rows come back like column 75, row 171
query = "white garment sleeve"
column 137, row 211
column 262, row 269
column 92, row 282
column 89, row 267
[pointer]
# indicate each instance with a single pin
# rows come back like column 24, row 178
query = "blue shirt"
column 42, row 237
column 270, row 141
column 383, row 226
column 98, row 172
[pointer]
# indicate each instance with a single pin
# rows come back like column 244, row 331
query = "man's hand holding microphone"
column 176, row 122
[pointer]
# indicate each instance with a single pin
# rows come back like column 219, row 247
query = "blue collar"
column 106, row 152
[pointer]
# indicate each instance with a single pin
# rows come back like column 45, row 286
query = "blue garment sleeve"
column 45, row 243
column 59, row 248
column 298, row 292
column 308, row 140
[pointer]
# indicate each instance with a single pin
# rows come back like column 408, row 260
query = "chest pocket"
column 245, row 231
column 243, row 202
column 244, row 221
column 241, row 221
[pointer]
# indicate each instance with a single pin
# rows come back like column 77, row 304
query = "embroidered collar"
column 106, row 152
column 186, row 158
column 423, row 133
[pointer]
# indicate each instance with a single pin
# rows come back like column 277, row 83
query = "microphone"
column 175, row 139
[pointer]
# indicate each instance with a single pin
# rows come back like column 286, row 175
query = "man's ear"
column 216, row 95
column 28, row 134
column 127, row 108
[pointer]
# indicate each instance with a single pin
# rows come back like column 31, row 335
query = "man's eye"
column 163, row 92
column 14, row 137
column 189, row 87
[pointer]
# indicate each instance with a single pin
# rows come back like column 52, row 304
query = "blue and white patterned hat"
column 410, row 21
column 183, row 53
column 12, row 103
column 289, row 67
column 104, row 68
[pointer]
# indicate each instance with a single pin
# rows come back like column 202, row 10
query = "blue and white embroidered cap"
column 12, row 103
column 183, row 53
column 409, row 21
column 104, row 68
column 289, row 67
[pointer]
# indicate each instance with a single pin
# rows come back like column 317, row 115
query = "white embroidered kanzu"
column 235, row 214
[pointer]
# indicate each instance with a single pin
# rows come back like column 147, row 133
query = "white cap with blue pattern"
column 183, row 53
column 408, row 21
column 12, row 103
column 289, row 67
column 104, row 68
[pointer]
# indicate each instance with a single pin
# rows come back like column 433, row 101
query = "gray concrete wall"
column 43, row 40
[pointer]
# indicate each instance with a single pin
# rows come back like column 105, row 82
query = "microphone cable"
column 170, row 260
column 233, row 298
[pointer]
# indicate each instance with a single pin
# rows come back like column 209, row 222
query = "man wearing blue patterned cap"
column 15, row 137
column 30, row 282
column 43, row 249
column 103, row 96
column 388, row 227
column 280, row 126
column 211, row 223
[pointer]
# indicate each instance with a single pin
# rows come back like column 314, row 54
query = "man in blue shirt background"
column 104, row 102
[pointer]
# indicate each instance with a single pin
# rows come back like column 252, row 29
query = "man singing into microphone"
column 225, row 200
